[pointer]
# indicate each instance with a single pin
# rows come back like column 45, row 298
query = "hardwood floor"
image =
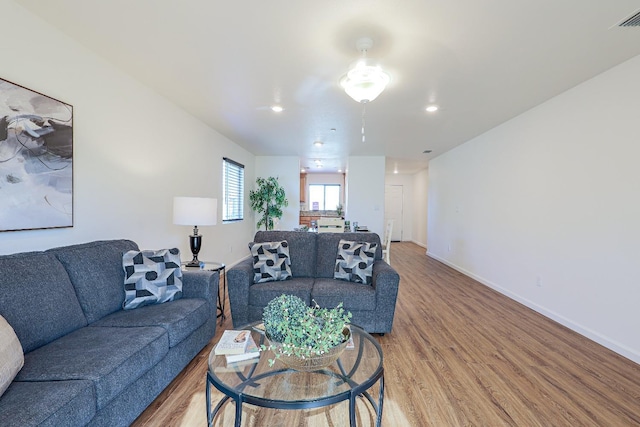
column 460, row 354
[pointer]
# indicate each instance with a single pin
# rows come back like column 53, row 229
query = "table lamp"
column 196, row 211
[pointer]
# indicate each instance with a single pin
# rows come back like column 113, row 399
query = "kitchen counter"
column 329, row 214
column 307, row 216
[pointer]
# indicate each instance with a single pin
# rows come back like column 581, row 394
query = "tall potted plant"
column 268, row 200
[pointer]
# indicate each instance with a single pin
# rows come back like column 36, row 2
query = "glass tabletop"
column 357, row 369
column 204, row 265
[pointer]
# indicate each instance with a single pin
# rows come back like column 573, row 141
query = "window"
column 325, row 196
column 232, row 191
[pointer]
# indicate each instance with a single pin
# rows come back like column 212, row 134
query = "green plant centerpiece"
column 268, row 200
column 302, row 337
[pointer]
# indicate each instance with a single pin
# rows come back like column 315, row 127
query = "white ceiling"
column 482, row 61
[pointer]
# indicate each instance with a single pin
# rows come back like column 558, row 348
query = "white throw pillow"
column 11, row 355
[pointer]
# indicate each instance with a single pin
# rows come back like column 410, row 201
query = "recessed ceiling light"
column 277, row 109
column 339, row 170
column 318, row 143
column 302, row 170
column 395, row 171
column 432, row 108
column 318, row 161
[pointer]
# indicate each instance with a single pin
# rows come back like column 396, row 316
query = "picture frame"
column 36, row 160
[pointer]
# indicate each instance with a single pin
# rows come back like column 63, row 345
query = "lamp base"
column 195, row 242
column 194, row 263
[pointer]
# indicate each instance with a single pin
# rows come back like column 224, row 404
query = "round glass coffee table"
column 254, row 382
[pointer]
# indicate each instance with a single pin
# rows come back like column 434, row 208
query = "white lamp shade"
column 195, row 211
column 364, row 82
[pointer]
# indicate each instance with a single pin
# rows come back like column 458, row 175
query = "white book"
column 237, row 366
column 252, row 352
column 233, row 342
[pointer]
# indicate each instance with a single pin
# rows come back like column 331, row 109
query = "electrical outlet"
column 230, row 249
column 538, row 281
column 449, row 247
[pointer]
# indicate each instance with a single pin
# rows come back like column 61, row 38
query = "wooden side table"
column 222, row 285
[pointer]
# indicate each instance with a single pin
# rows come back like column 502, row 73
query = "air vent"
column 632, row 21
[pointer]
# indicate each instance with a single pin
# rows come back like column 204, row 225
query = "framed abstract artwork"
column 36, row 160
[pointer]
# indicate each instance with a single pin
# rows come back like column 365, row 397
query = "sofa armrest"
column 239, row 279
column 201, row 284
column 386, row 281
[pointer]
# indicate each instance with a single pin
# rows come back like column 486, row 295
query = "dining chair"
column 386, row 243
column 330, row 225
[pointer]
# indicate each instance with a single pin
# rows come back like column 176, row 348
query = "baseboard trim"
column 612, row 345
column 422, row 245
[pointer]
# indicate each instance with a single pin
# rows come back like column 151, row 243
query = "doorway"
column 393, row 209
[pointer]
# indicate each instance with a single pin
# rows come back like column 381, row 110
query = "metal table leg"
column 222, row 291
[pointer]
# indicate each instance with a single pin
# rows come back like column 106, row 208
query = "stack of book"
column 237, row 346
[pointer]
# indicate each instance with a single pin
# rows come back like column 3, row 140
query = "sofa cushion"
column 354, row 261
column 151, row 277
column 11, row 356
column 179, row 318
column 95, row 270
column 302, row 249
column 271, row 261
column 38, row 299
column 261, row 293
column 48, row 404
column 112, row 358
column 353, row 296
column 328, row 249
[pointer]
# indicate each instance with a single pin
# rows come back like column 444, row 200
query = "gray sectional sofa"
column 313, row 258
column 87, row 361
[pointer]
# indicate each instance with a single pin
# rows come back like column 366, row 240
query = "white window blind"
column 233, row 191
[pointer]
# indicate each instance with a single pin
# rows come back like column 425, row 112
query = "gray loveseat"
column 86, row 360
column 313, row 257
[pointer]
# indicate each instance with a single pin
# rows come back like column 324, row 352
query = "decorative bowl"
column 315, row 361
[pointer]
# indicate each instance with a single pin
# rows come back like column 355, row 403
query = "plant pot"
column 315, row 361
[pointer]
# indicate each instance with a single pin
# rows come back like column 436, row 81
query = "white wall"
column 545, row 208
column 420, row 204
column 133, row 150
column 365, row 192
column 287, row 170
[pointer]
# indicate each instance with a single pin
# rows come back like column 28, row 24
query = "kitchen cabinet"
column 307, row 216
column 306, row 219
column 303, row 188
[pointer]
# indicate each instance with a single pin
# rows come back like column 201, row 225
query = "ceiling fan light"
column 364, row 82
